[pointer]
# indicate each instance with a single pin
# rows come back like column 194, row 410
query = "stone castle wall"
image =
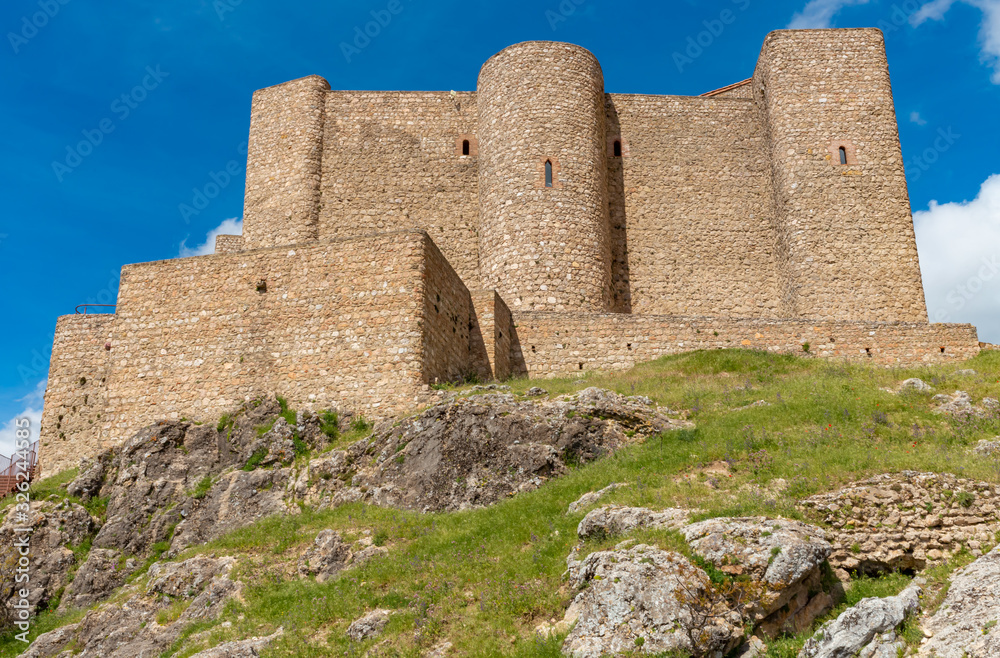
column 551, row 344
column 672, row 224
column 851, row 251
column 76, row 396
column 544, row 246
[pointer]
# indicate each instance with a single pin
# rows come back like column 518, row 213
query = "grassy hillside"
column 484, row 579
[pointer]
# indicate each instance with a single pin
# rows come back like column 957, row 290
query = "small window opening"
column 465, row 147
column 843, row 155
column 618, row 148
column 262, row 286
column 581, row 366
column 500, row 335
column 629, row 346
column 548, row 173
column 942, row 350
column 532, row 349
column 868, row 351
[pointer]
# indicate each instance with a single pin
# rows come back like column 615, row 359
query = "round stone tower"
column 543, row 197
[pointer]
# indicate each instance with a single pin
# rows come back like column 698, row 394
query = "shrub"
column 329, row 424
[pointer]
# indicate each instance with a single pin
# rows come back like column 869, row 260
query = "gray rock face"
column 473, row 452
column 129, row 628
column 591, row 498
column 614, row 520
column 56, row 527
column 960, row 405
column 101, row 574
column 915, row 384
column 987, row 447
column 967, row 620
column 784, row 555
column 248, row 648
column 645, row 598
column 370, row 625
column 327, row 556
column 868, row 627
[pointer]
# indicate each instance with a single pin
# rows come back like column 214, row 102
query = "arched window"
column 465, row 147
column 548, row 173
column 618, row 148
column 843, row 155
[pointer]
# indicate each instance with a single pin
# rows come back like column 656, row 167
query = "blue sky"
column 162, row 93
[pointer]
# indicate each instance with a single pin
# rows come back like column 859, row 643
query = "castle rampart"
column 536, row 226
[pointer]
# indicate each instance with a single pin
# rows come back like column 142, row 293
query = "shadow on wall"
column 518, row 368
column 620, row 288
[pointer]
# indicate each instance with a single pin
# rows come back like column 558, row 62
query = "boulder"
column 327, row 556
column 867, row 628
column 915, row 384
column 987, row 447
column 614, row 520
column 784, row 556
column 591, row 498
column 535, row 391
column 965, row 626
column 368, row 626
column 646, row 598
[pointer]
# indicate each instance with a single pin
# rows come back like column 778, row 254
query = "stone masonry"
column 537, row 226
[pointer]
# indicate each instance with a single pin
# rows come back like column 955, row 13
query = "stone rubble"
column 369, row 625
column 907, row 521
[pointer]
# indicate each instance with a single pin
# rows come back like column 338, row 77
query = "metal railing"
column 86, row 306
column 14, row 470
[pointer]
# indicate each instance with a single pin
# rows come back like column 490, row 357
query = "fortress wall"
column 692, row 198
column 446, row 321
column 544, row 247
column 551, row 344
column 851, row 248
column 393, row 160
column 324, row 324
column 76, row 394
column 491, row 336
column 285, row 148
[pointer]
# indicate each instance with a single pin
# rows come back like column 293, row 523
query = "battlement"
column 535, row 226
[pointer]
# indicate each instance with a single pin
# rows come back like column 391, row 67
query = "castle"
column 537, row 226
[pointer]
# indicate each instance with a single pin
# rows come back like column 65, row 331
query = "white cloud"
column 959, row 245
column 917, row 119
column 819, row 13
column 232, row 226
column 32, row 411
column 989, row 29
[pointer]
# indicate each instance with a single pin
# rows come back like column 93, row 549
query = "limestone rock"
column 591, row 498
column 615, row 520
column 248, row 648
column 327, row 556
column 642, row 596
column 129, row 627
column 966, row 372
column 102, row 573
column 987, row 447
column 965, row 626
column 535, row 391
column 472, row 452
column 915, row 384
column 960, row 405
column 370, row 625
column 55, row 528
column 785, row 556
column 864, row 628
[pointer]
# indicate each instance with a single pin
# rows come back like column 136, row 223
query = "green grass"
column 483, row 579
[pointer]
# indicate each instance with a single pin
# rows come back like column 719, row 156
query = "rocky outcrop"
column 915, row 384
column 473, row 452
column 907, row 521
column 326, row 557
column 867, row 629
column 614, row 520
column 248, row 648
column 782, row 555
column 965, row 626
column 648, row 599
column 56, row 528
column 592, row 498
column 368, row 626
column 134, row 626
column 104, row 571
column 959, row 405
